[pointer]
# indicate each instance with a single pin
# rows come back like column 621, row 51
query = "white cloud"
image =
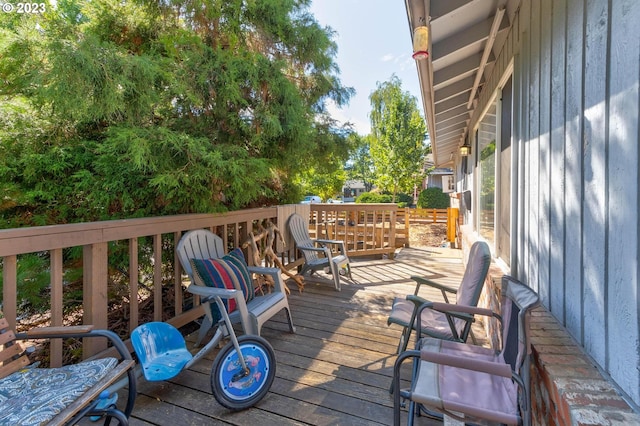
column 388, row 57
column 362, row 127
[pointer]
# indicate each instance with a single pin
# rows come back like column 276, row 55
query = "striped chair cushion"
column 228, row 272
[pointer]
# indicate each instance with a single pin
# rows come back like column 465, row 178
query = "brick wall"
column 566, row 386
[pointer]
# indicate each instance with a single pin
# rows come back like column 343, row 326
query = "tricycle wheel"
column 235, row 389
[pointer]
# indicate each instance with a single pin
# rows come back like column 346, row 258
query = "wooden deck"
column 336, row 369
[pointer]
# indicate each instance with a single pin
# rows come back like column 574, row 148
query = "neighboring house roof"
column 442, row 171
column 465, row 39
column 354, row 184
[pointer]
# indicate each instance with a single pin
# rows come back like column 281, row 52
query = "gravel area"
column 427, row 235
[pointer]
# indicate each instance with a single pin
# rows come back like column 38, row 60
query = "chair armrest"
column 495, row 368
column 320, row 249
column 76, row 332
column 433, row 284
column 417, row 300
column 209, row 292
column 330, row 241
column 338, row 243
column 275, row 274
column 46, row 332
column 458, row 309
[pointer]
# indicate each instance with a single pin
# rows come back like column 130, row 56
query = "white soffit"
column 466, row 36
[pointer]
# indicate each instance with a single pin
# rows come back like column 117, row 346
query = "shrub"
column 433, row 198
column 370, row 197
column 401, row 197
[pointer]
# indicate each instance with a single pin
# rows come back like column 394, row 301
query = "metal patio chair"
column 472, row 383
column 452, row 325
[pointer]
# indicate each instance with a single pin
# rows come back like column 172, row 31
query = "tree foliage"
column 433, row 198
column 360, row 166
column 113, row 109
column 397, row 137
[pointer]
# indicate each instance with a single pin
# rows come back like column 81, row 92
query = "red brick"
column 600, row 400
column 589, row 417
column 564, row 359
column 554, row 349
column 570, row 384
column 582, row 371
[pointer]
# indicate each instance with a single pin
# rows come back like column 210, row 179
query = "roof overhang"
column 465, row 38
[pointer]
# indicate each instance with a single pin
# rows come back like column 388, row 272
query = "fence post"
column 452, row 220
column 94, row 276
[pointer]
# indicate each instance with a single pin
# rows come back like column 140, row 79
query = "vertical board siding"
column 545, row 147
column 573, row 169
column 557, row 231
column 533, row 142
column 576, row 180
column 595, row 179
column 623, row 208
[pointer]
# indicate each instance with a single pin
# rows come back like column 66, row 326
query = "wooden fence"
column 151, row 241
column 423, row 215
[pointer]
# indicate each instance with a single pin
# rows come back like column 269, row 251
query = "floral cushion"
column 34, row 396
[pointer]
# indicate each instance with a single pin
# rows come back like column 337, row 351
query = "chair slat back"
column 300, row 234
column 198, row 244
column 11, row 352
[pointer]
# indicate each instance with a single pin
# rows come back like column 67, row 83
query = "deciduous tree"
column 397, row 137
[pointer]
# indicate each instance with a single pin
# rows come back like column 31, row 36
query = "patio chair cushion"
column 34, row 396
column 228, row 272
column 432, row 323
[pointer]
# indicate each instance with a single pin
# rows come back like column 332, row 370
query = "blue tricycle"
column 241, row 374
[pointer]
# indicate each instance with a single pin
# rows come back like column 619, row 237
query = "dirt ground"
column 427, row 235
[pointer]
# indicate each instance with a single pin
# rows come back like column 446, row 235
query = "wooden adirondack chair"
column 317, row 253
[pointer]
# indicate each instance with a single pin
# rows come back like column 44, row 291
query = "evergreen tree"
column 112, row 109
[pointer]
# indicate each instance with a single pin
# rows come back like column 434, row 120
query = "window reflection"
column 487, row 135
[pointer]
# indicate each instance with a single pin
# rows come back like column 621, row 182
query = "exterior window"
column 492, row 179
column 486, row 157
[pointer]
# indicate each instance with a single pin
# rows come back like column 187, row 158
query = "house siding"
column 575, row 160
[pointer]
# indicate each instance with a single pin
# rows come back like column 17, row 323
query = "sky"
column 374, row 42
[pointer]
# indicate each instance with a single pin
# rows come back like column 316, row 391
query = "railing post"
column 9, row 289
column 392, row 231
column 177, row 271
column 133, row 283
column 55, row 359
column 157, row 277
column 94, row 273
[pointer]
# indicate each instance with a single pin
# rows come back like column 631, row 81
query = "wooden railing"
column 372, row 232
column 366, row 229
column 423, row 215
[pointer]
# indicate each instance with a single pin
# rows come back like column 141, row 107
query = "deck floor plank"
column 337, row 367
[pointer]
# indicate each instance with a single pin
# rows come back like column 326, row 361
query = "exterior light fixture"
column 465, row 150
column 420, row 43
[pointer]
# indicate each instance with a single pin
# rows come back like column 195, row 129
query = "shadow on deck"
column 336, row 369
